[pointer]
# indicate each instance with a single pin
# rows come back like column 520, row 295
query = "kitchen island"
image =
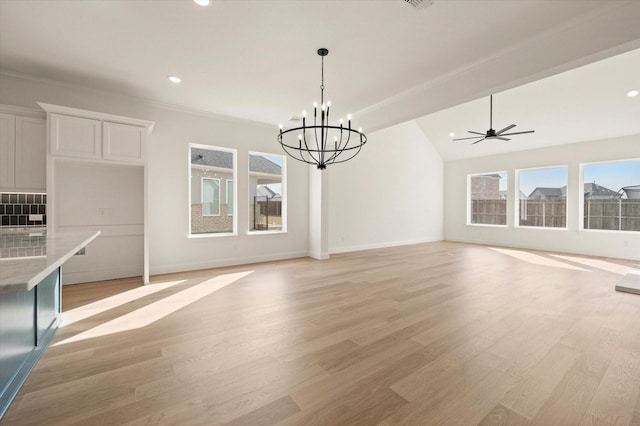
column 30, row 299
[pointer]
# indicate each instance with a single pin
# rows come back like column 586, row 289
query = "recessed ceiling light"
column 202, row 2
column 174, row 79
column 632, row 93
column 452, row 134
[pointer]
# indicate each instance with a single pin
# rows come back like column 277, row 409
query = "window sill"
column 611, row 231
column 266, row 232
column 213, row 235
column 546, row 228
column 486, row 225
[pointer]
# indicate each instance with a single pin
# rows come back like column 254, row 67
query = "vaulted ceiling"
column 388, row 61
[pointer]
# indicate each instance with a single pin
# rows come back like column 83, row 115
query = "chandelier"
column 320, row 143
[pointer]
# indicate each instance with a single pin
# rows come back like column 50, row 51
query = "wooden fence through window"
column 619, row 215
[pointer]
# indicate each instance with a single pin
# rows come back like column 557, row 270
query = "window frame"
column 234, row 177
column 582, row 198
column 229, row 211
column 284, row 202
column 470, row 204
column 516, row 204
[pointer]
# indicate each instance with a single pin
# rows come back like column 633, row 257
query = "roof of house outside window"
column 212, row 158
column 224, row 160
column 260, row 164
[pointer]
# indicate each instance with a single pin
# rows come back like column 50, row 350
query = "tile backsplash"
column 17, row 208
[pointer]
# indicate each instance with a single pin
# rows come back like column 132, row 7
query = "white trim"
column 234, row 177
column 266, row 232
column 226, row 196
column 24, row 112
column 518, row 190
column 243, row 261
column 469, row 210
column 374, row 246
column 581, row 201
column 487, row 225
column 75, row 112
column 283, row 192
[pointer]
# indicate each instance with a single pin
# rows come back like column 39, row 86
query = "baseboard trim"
column 363, row 247
column 76, row 277
column 168, row 269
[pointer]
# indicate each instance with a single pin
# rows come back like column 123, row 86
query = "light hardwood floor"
column 430, row 334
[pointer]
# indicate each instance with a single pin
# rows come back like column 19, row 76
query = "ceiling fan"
column 491, row 133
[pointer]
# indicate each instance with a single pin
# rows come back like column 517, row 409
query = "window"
column 210, row 168
column 542, row 197
column 210, row 197
column 230, row 197
column 487, row 202
column 612, row 196
column 267, row 192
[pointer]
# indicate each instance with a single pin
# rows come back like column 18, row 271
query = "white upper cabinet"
column 23, row 153
column 122, row 142
column 7, row 150
column 94, row 136
column 31, row 153
column 75, row 136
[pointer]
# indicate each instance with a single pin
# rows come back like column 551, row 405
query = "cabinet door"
column 75, row 136
column 122, row 143
column 7, row 150
column 31, row 153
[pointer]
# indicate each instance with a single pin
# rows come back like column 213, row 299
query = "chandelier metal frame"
column 317, row 150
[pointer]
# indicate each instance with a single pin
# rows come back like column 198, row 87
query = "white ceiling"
column 583, row 104
column 388, row 63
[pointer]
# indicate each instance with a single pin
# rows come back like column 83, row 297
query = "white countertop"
column 24, row 273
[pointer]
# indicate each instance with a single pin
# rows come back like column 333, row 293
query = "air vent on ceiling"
column 419, row 4
column 295, row 119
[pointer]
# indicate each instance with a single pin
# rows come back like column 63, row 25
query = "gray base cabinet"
column 28, row 321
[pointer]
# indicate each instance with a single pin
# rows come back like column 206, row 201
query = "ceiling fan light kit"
column 491, row 133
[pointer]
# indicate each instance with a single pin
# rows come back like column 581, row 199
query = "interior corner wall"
column 168, row 169
column 624, row 245
column 390, row 194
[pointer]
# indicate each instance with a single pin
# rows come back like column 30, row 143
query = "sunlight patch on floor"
column 156, row 311
column 595, row 263
column 537, row 259
column 100, row 306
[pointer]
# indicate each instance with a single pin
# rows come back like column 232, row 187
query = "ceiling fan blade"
column 505, row 129
column 478, row 141
column 476, row 133
column 502, row 139
column 517, row 133
column 464, row 139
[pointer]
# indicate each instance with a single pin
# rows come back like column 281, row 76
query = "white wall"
column 82, row 190
column 168, row 154
column 390, row 194
column 572, row 240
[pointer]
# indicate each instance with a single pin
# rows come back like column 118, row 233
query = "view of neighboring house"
column 265, row 194
column 485, row 187
column 212, row 191
column 503, row 195
column 548, row 193
column 592, row 191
